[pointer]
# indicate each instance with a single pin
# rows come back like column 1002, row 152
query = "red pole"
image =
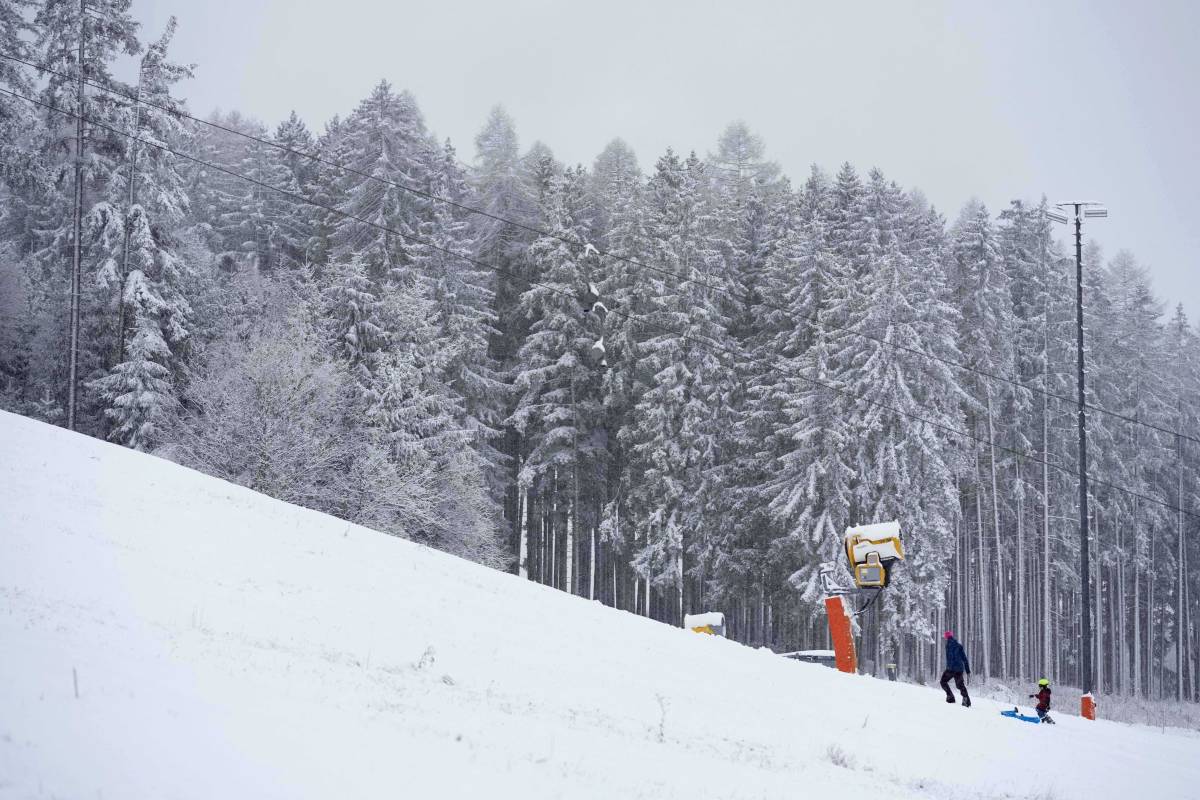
column 841, row 633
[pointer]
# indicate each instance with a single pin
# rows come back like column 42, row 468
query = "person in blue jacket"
column 957, row 666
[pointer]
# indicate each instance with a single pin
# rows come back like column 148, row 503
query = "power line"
column 708, row 345
column 810, row 321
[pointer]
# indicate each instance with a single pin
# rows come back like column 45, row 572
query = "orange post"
column 841, row 634
column 1087, row 706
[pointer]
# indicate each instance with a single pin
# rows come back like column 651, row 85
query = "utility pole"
column 1087, row 702
column 1084, row 546
column 77, row 228
column 129, row 203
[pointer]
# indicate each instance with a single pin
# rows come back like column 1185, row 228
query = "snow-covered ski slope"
column 229, row 645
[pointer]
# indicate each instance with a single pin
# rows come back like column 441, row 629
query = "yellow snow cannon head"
column 711, row 622
column 871, row 551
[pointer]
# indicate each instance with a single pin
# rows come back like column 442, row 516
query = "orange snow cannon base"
column 1087, row 706
column 841, row 634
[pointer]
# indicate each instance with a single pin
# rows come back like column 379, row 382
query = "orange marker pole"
column 1087, row 706
column 841, row 634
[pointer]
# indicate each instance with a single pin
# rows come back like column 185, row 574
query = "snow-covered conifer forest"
column 360, row 317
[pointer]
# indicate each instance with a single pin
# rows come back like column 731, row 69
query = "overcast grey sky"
column 1078, row 100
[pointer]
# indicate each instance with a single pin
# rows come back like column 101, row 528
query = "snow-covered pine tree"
column 808, row 493
column 352, row 306
column 20, row 175
column 983, row 294
column 676, row 424
column 559, row 409
column 463, row 294
column 327, row 191
column 240, row 220
column 615, row 173
column 848, row 223
column 109, row 31
column 16, row 165
column 1126, row 343
column 627, row 283
column 901, row 457
column 408, row 351
column 499, row 187
column 385, row 138
column 294, row 135
column 137, row 235
column 1032, row 261
column 740, row 161
column 392, row 350
column 752, row 209
column 1181, row 486
column 296, row 219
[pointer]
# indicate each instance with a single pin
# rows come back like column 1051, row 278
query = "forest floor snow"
column 166, row 634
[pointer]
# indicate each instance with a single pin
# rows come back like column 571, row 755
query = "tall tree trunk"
column 1046, row 638
column 616, row 598
column 569, row 552
column 1022, row 634
column 637, row 594
column 592, row 564
column 523, row 523
column 1190, row 629
column 1137, row 604
column 1179, row 612
column 981, row 560
column 554, row 568
column 1097, row 609
column 681, row 578
column 1000, row 578
column 1120, row 642
column 960, row 546
column 1150, row 620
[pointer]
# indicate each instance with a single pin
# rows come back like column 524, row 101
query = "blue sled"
column 1017, row 715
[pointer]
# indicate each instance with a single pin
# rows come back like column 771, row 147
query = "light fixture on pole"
column 1082, row 210
column 1057, row 216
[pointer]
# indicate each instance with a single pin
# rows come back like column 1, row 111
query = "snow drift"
column 166, row 634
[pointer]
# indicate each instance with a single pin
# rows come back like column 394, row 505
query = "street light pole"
column 1087, row 702
column 76, row 229
column 1084, row 556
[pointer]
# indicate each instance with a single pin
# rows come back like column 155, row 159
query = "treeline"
column 782, row 361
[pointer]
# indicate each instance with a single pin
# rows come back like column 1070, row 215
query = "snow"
column 229, row 645
column 713, row 618
column 877, row 530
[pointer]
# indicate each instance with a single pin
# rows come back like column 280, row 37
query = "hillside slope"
column 228, row 645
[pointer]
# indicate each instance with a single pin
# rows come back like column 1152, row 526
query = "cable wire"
column 808, row 320
column 704, row 344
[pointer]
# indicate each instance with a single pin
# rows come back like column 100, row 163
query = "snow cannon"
column 871, row 551
column 711, row 622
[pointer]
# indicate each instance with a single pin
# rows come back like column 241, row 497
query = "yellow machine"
column 712, row 623
column 871, row 551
